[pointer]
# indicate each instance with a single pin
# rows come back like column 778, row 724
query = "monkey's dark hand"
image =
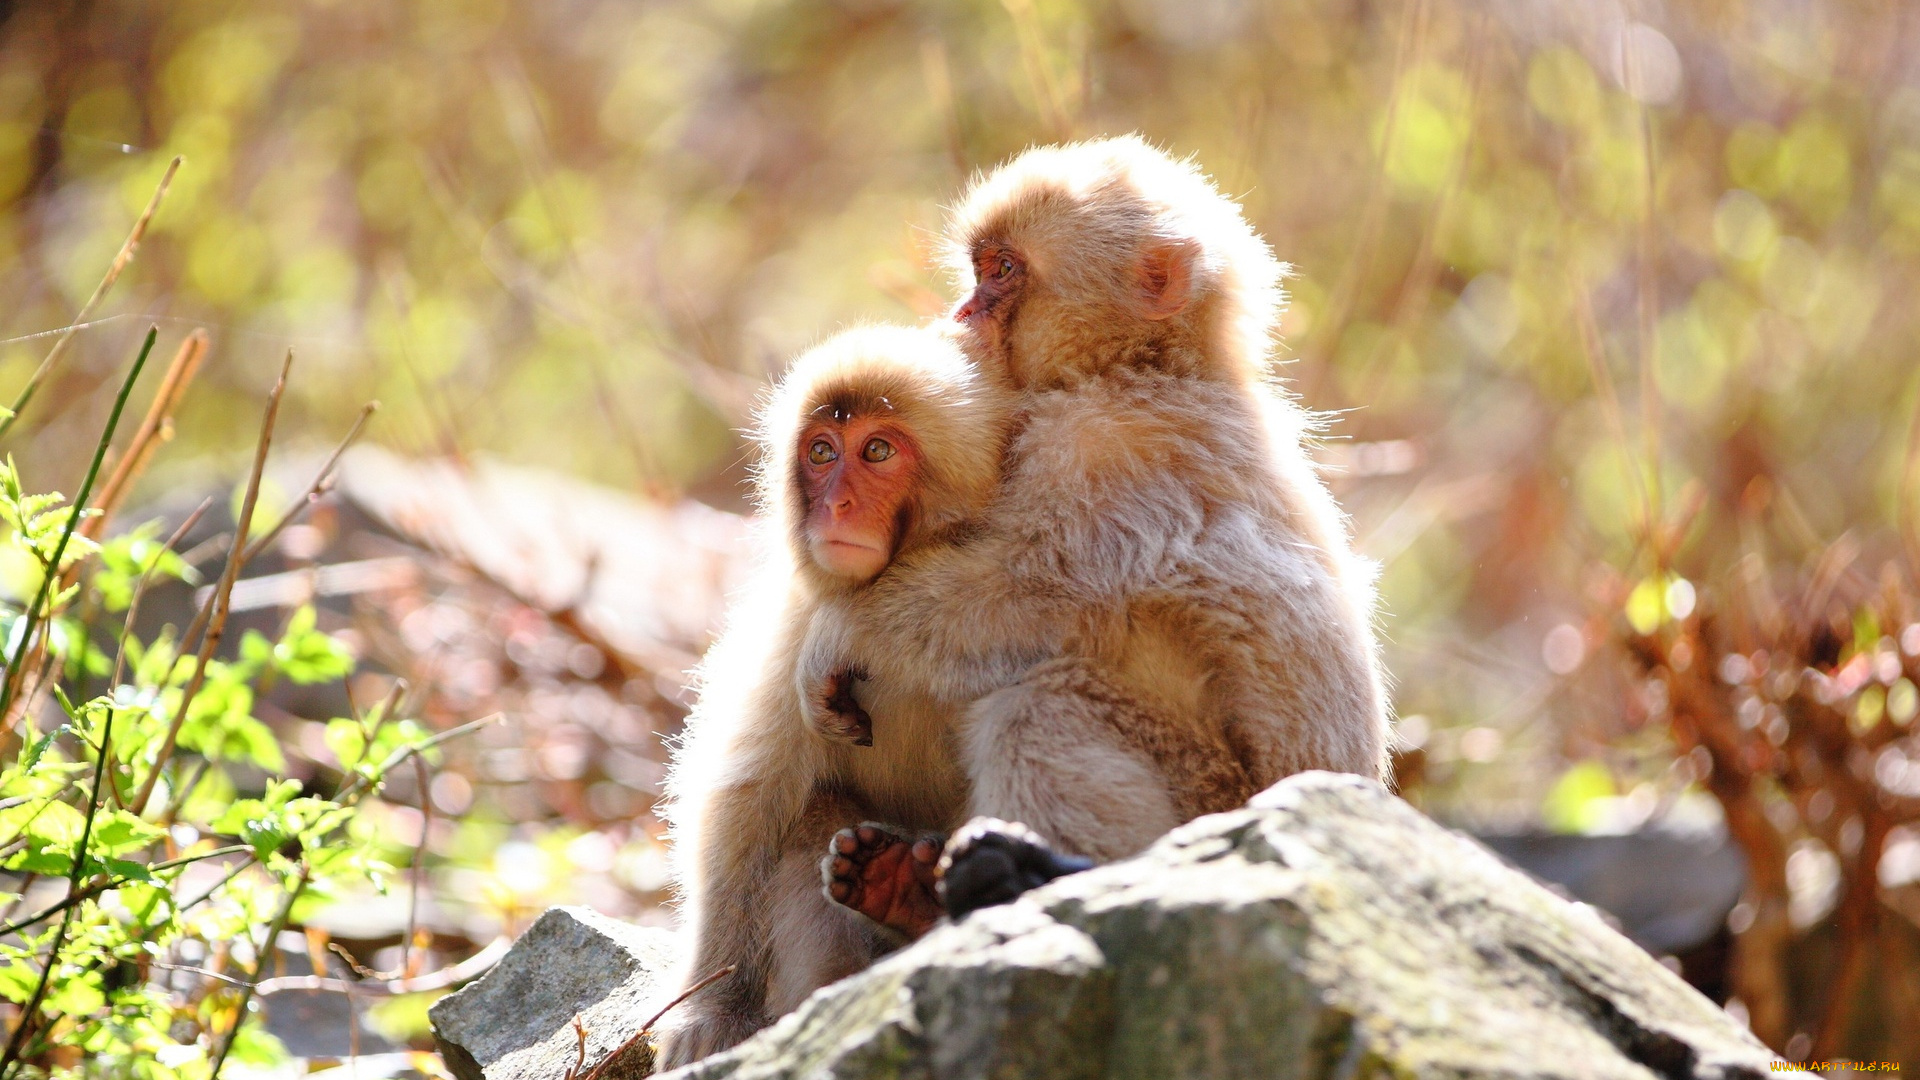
column 990, row 862
column 836, row 714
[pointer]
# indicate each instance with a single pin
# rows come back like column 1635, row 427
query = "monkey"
column 879, row 444
column 1162, row 613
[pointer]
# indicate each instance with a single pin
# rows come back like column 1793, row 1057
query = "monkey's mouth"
column 849, row 558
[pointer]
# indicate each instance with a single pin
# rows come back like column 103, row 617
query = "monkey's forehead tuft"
column 843, row 404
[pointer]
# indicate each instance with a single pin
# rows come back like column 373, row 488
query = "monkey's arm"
column 824, row 676
column 738, row 785
column 960, row 620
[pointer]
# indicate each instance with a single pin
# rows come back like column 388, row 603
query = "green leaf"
column 18, row 980
column 152, row 903
column 124, row 869
column 220, row 725
column 48, row 823
column 116, row 832
column 39, row 748
column 210, row 798
column 255, row 1046
column 347, row 741
column 78, row 995
column 126, row 559
column 256, row 651
column 264, row 824
column 47, row 862
column 306, row 656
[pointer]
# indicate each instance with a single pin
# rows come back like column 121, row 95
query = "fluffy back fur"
column 1086, row 215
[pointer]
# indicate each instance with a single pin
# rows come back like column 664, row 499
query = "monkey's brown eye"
column 821, row 453
column 1002, row 268
column 877, row 450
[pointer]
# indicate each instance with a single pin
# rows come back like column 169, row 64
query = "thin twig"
column 261, row 958
column 418, row 870
column 1909, row 489
column 33, row 613
column 1647, row 306
column 109, row 884
column 1609, row 399
column 120, row 262
column 1326, row 336
column 133, row 612
column 204, row 973
column 594, row 1074
column 140, row 587
column 156, row 426
column 579, row 1048
column 215, row 610
column 355, row 786
column 321, row 482
column 472, row 967
column 238, row 868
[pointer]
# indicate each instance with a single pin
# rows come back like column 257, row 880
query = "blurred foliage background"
column 1606, row 299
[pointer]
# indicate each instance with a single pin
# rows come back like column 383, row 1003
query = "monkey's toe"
column 991, row 862
column 885, row 876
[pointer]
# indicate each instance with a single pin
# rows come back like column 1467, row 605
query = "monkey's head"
column 878, row 441
column 1108, row 252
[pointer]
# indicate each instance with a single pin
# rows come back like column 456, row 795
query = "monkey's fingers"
column 849, row 721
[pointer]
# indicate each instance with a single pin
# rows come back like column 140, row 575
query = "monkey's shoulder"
column 1134, row 420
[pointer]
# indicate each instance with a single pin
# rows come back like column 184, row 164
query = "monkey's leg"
column 1066, row 753
column 885, row 876
column 770, row 921
column 812, row 940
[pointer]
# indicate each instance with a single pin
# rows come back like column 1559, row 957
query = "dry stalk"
column 120, row 262
column 1609, row 398
column 715, row 977
column 322, row 481
column 214, row 612
column 1407, row 52
column 154, row 429
column 1647, row 297
column 133, row 610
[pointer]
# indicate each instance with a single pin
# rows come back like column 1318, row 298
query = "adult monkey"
column 881, row 443
column 1164, row 612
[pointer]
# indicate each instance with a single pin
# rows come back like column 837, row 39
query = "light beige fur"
column 1162, row 612
column 754, row 794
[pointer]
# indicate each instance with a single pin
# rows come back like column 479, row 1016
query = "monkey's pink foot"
column 885, row 876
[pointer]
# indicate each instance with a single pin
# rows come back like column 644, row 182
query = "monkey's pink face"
column 1000, row 278
column 858, row 475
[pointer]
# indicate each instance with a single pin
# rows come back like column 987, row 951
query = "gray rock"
column 516, row 1021
column 1329, row 930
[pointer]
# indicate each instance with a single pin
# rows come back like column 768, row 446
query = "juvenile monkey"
column 1162, row 613
column 879, row 444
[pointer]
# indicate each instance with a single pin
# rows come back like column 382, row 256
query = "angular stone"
column 516, row 1021
column 1328, row 930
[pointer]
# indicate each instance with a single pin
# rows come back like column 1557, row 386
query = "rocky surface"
column 516, row 1022
column 1328, row 930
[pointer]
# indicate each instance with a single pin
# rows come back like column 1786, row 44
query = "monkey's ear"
column 1166, row 271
